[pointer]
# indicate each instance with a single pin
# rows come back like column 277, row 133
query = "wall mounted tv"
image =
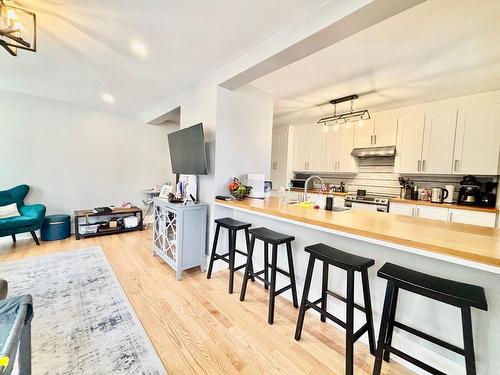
column 187, row 151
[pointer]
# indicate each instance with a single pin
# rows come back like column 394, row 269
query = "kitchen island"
column 455, row 251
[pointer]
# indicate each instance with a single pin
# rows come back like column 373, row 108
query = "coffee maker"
column 470, row 191
column 489, row 198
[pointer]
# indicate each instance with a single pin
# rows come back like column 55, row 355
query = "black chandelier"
column 344, row 117
column 17, row 29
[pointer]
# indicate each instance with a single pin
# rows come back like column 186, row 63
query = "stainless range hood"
column 370, row 152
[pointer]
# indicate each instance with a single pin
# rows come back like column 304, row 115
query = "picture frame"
column 165, row 191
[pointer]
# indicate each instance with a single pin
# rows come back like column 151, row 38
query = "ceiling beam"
column 364, row 17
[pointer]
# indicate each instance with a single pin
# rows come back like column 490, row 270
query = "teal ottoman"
column 56, row 227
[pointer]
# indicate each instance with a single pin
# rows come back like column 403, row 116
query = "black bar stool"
column 275, row 239
column 463, row 296
column 233, row 226
column 351, row 263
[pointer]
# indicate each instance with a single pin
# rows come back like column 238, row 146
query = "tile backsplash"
column 377, row 177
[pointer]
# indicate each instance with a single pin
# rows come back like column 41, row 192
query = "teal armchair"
column 31, row 218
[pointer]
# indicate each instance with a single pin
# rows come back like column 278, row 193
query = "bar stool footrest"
column 343, row 299
column 414, row 361
column 255, row 275
column 278, row 292
column 241, row 252
column 313, row 305
column 360, row 332
column 429, row 338
column 222, row 257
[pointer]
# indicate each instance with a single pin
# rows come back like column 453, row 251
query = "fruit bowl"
column 238, row 190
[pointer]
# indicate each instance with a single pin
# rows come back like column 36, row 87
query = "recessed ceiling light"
column 108, row 98
column 139, row 48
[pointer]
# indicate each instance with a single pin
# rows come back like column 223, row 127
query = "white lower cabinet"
column 402, row 209
column 435, row 213
column 486, row 219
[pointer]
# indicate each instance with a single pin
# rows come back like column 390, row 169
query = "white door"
column 401, row 209
column 386, row 129
column 279, row 167
column 412, row 136
column 478, row 141
column 487, row 219
column 363, row 133
column 301, row 148
column 435, row 213
column 439, row 139
column 345, row 161
column 274, row 159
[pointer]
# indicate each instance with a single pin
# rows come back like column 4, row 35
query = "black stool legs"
column 463, row 296
column 348, row 325
column 270, row 283
column 229, row 257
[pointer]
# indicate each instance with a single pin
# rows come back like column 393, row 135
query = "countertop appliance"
column 489, row 198
column 299, row 180
column 256, row 181
column 438, row 194
column 367, row 203
column 470, row 191
column 451, row 191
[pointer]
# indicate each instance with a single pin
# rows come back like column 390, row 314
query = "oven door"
column 368, row 207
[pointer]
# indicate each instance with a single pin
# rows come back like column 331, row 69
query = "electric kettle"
column 438, row 194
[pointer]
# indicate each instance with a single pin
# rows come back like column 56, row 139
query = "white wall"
column 74, row 157
column 244, row 133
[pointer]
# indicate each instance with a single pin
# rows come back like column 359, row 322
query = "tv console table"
column 117, row 212
column 179, row 234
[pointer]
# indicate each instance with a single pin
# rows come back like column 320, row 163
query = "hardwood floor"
column 198, row 328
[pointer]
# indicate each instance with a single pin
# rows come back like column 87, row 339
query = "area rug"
column 83, row 322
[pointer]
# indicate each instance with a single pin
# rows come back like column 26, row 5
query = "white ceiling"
column 84, row 46
column 436, row 50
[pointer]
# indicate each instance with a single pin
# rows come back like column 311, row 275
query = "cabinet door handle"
column 338, row 165
column 375, row 139
column 423, row 165
column 455, row 167
column 418, row 165
column 371, row 139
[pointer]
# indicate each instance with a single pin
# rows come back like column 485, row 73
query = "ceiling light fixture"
column 17, row 29
column 139, row 48
column 108, row 98
column 345, row 117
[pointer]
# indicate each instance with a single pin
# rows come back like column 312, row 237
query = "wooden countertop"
column 446, row 205
column 315, row 191
column 468, row 242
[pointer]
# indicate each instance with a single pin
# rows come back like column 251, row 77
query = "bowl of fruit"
column 238, row 190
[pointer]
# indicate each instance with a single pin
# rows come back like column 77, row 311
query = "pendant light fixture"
column 344, row 117
column 17, row 29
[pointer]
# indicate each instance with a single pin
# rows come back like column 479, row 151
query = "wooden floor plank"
column 198, row 328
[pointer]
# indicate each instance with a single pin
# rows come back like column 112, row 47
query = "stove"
column 367, row 203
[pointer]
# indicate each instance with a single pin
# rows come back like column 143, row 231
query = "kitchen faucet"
column 307, row 181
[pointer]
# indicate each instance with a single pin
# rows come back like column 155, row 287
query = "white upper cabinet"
column 346, row 162
column 477, row 141
column 386, row 129
column 301, row 148
column 412, row 138
column 363, row 133
column 380, row 130
column 439, row 139
column 339, row 145
column 317, row 147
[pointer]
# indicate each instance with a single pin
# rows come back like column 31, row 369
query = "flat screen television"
column 187, row 151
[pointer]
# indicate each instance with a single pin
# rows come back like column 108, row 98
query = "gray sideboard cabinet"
column 179, row 234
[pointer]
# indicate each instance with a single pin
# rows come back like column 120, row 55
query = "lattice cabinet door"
column 179, row 234
column 158, row 232
column 170, row 230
